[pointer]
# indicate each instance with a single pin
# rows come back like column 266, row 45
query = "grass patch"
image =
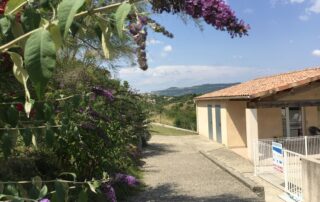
column 164, row 119
column 160, row 130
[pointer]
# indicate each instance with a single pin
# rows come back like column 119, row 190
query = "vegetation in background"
column 160, row 130
column 176, row 111
column 201, row 89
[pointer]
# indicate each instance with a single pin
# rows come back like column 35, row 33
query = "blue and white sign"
column 277, row 154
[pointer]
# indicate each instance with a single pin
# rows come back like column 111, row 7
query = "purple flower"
column 95, row 115
column 214, row 12
column 109, row 192
column 103, row 92
column 127, row 179
column 44, row 200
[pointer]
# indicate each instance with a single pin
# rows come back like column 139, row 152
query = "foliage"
column 180, row 109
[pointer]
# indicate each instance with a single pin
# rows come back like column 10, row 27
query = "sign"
column 277, row 156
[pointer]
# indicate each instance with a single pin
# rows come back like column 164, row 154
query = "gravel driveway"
column 176, row 171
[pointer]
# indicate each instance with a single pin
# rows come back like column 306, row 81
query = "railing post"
column 285, row 170
column 306, row 145
column 255, row 145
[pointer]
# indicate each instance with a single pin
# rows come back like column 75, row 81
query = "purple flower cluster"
column 95, row 115
column 90, row 127
column 98, row 91
column 44, row 200
column 158, row 28
column 109, row 192
column 215, row 12
column 139, row 33
column 127, row 179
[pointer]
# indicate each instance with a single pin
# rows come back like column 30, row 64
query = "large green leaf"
column 105, row 37
column 120, row 17
column 40, row 59
column 22, row 76
column 66, row 11
column 13, row 4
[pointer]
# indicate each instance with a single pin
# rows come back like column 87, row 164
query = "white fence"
column 290, row 178
column 293, row 174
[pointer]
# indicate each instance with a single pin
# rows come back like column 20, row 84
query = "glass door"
column 292, row 121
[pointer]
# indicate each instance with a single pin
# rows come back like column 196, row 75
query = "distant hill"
column 201, row 89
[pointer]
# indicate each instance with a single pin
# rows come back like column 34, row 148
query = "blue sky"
column 284, row 36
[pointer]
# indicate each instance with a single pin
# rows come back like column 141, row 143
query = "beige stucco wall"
column 236, row 123
column 269, row 122
column 311, row 117
column 303, row 93
column 202, row 119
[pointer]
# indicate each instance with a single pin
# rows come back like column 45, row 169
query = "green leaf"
column 56, row 35
column 11, row 190
column 7, row 143
column 27, row 136
column 37, row 182
column 50, row 137
column 120, row 17
column 61, row 191
column 19, row 72
column 83, row 196
column 73, row 175
column 5, row 25
column 22, row 76
column 30, row 19
column 40, row 59
column 94, row 185
column 12, row 116
column 13, row 4
column 47, row 111
column 66, row 11
column 17, row 31
column 43, row 192
column 105, row 37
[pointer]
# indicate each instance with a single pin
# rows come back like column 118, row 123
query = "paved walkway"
column 176, row 171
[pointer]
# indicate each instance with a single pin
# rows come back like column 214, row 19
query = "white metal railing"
column 290, row 178
column 293, row 174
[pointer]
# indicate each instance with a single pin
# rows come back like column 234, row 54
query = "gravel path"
column 176, row 171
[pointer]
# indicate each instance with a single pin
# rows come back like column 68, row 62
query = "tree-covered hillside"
column 201, row 89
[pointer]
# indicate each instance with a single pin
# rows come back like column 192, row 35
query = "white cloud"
column 248, row 11
column 274, row 2
column 316, row 52
column 154, row 42
column 296, row 1
column 315, row 6
column 304, row 17
column 166, row 76
column 168, row 48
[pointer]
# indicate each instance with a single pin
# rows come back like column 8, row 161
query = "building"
column 283, row 105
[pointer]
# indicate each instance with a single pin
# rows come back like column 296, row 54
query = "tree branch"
column 4, row 47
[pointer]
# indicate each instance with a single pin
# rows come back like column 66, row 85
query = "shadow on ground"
column 166, row 193
column 156, row 149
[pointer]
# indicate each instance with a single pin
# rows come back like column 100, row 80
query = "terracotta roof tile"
column 266, row 85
